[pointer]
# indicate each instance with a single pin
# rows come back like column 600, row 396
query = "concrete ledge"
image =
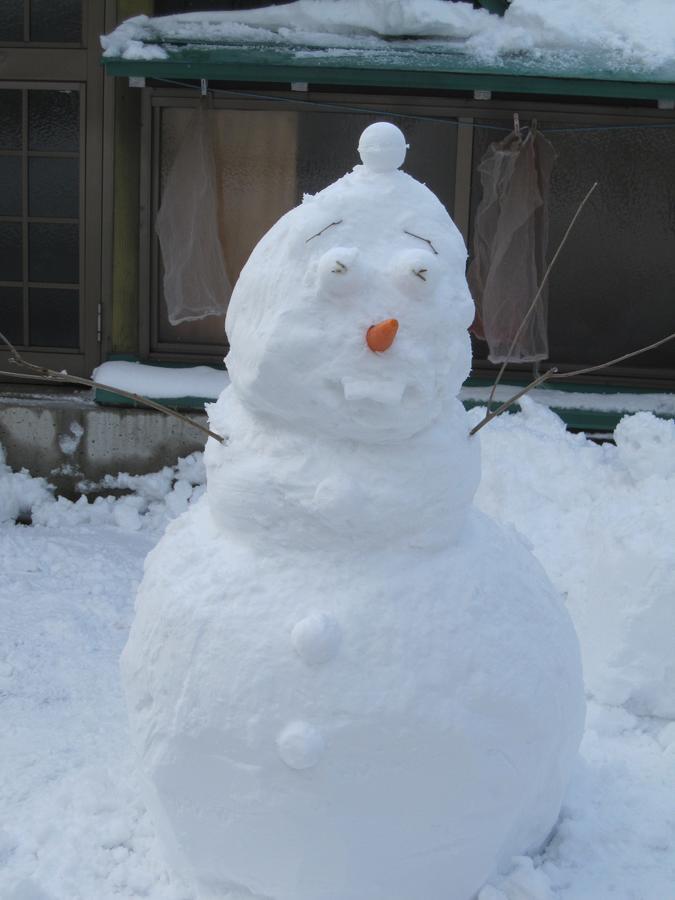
column 69, row 440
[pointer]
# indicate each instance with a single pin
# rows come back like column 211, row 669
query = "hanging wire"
column 367, row 110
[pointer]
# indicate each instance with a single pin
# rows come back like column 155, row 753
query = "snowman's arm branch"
column 41, row 373
column 554, row 374
column 489, row 416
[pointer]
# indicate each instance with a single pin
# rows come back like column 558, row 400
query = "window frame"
column 72, row 66
column 468, row 110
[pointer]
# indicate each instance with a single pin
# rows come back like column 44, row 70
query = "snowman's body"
column 345, row 683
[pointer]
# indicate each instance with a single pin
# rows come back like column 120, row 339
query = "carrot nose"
column 380, row 337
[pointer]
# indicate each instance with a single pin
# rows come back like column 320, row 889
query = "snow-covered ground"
column 599, row 518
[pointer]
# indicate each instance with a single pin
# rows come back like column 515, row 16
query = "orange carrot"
column 380, row 337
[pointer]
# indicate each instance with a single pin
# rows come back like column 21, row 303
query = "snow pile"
column 160, row 382
column 20, row 493
column 623, row 34
column 148, row 501
column 600, row 519
column 72, row 826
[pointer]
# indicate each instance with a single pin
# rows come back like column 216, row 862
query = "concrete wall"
column 70, row 440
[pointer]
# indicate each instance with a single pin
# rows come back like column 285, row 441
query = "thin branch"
column 538, row 294
column 613, row 362
column 319, row 233
column 43, row 374
column 420, row 238
column 554, row 375
column 500, row 409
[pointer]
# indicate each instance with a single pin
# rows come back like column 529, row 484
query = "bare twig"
column 500, row 409
column 43, row 374
column 613, row 362
column 420, row 238
column 339, row 222
column 554, row 375
column 538, row 294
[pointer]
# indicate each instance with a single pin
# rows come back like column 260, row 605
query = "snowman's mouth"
column 388, row 392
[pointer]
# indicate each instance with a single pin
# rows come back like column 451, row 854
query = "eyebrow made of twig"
column 420, row 238
column 319, row 233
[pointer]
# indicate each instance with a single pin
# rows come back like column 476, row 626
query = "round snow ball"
column 382, row 147
column 316, row 638
column 300, row 745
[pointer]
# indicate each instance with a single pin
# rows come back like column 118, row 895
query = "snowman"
column 344, row 682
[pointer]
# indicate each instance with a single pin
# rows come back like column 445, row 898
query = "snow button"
column 316, row 638
column 300, row 745
column 382, row 147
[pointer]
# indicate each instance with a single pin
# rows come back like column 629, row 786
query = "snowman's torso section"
column 275, row 486
column 309, row 717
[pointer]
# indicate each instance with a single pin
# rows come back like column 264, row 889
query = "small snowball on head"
column 382, row 147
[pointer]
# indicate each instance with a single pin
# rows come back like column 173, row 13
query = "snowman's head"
column 350, row 317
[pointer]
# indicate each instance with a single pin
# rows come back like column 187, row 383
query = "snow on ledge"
column 158, row 382
column 632, row 36
column 619, row 402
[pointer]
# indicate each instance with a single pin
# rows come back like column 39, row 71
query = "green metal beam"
column 239, row 66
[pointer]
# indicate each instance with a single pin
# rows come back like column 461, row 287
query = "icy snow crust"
column 344, row 683
column 614, row 35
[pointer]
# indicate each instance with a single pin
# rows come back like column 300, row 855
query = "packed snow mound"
column 20, row 493
column 148, row 502
column 344, row 683
column 624, row 34
column 161, row 382
column 600, row 520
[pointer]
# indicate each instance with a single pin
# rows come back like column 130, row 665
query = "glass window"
column 53, row 317
column 11, row 20
column 10, row 119
column 266, row 160
column 10, row 251
column 56, row 21
column 11, row 313
column 53, row 187
column 10, row 185
column 613, row 287
column 54, row 120
column 53, row 253
column 41, row 218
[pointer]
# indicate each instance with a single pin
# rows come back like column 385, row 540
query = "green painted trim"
column 109, row 398
column 594, row 420
column 573, row 387
column 578, row 419
column 435, row 68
